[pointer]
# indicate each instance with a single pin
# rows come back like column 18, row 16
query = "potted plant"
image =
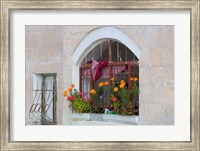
column 78, row 103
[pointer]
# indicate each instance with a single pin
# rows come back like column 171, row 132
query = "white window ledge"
column 133, row 119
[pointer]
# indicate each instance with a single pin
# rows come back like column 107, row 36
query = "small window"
column 43, row 108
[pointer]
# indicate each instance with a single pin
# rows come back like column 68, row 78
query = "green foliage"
column 135, row 91
column 117, row 106
column 81, row 106
column 124, row 95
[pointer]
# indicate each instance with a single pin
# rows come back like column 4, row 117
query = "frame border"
column 7, row 6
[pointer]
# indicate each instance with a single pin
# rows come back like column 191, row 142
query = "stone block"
column 145, row 58
column 73, row 42
column 32, row 40
column 144, row 75
column 169, row 74
column 51, row 39
column 156, row 76
column 38, row 67
column 157, row 114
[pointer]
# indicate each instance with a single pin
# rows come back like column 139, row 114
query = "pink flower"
column 84, row 94
column 80, row 93
column 114, row 99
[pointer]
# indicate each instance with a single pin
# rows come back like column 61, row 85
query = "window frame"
column 43, row 121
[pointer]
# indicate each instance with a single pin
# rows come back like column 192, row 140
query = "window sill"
column 134, row 119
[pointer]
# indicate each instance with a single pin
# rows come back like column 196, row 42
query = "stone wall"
column 55, row 44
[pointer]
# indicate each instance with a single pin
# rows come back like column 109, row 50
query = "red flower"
column 71, row 98
column 114, row 109
column 114, row 99
column 89, row 101
column 83, row 99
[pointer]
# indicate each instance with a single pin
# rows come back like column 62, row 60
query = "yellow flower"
column 69, row 89
column 65, row 93
column 131, row 78
column 112, row 79
column 106, row 83
column 72, row 85
column 122, row 85
column 135, row 79
column 100, row 84
column 92, row 91
column 115, row 89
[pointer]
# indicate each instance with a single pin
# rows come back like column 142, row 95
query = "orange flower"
column 69, row 89
column 135, row 79
column 92, row 91
column 122, row 81
column 122, row 85
column 115, row 89
column 65, row 93
column 112, row 79
column 72, row 85
column 131, row 78
column 106, row 83
column 100, row 84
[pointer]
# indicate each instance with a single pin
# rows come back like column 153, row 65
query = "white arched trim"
column 94, row 38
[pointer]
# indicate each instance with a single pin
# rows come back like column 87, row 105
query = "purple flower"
column 105, row 93
column 101, row 96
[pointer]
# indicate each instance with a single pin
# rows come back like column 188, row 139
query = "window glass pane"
column 135, row 71
column 86, row 81
column 97, row 53
column 90, row 55
column 114, row 51
column 35, row 111
column 129, row 56
column 48, row 98
column 122, row 53
column 105, row 50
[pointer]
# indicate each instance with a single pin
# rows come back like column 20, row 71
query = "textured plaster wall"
column 44, row 54
column 156, row 72
column 55, row 44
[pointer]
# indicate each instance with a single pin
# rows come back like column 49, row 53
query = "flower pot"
column 111, row 112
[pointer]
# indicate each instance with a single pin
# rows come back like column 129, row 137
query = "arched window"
column 106, row 60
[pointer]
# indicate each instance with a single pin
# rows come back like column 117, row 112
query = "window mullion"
column 117, row 52
column 42, row 101
column 101, row 51
column 91, row 79
column 109, row 50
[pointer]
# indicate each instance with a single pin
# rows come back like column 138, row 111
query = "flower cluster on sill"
column 109, row 96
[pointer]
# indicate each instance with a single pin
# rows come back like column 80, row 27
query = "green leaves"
column 81, row 106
